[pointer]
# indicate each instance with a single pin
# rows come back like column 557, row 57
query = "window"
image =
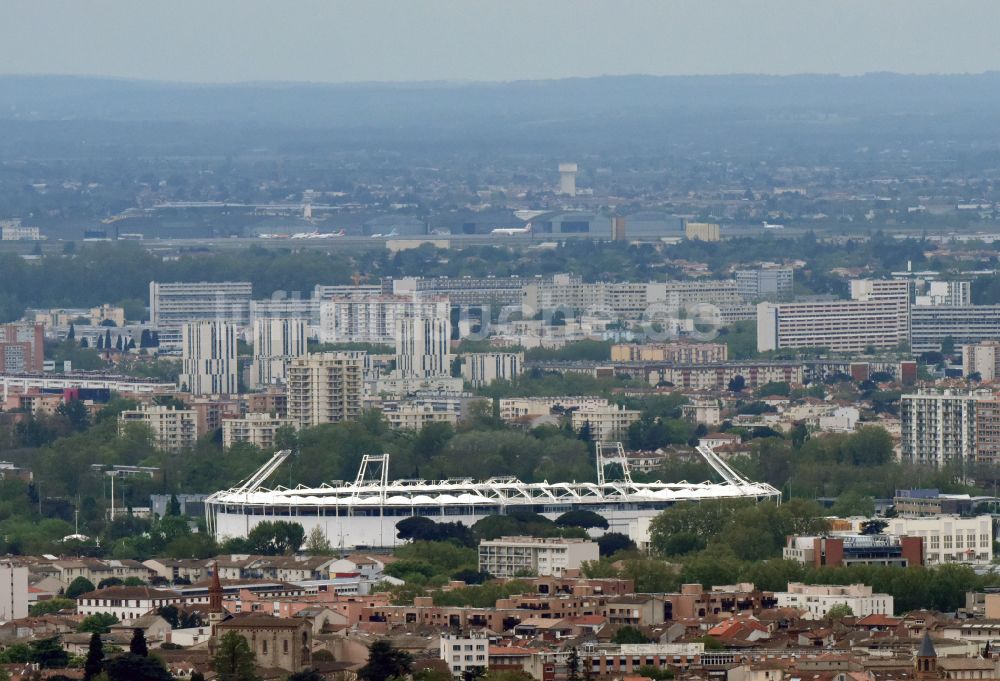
column 263, row 648
column 284, row 646
column 947, row 541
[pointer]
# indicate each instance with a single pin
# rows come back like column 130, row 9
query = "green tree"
column 137, row 646
column 278, row 538
column 234, row 661
column 80, row 585
column 629, row 634
column 582, row 518
column 98, row 623
column 94, row 663
column 839, row 611
column 48, row 653
column 132, row 667
column 50, row 606
column 385, row 662
column 317, row 544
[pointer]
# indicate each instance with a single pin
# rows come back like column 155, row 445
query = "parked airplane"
column 386, row 236
column 768, row 225
column 512, row 231
column 316, row 234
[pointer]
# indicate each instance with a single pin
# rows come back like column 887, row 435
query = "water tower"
column 567, row 179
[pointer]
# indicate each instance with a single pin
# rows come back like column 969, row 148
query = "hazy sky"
column 334, row 41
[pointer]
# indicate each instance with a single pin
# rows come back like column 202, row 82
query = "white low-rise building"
column 817, row 599
column 125, row 602
column 544, row 557
column 949, row 538
column 465, row 652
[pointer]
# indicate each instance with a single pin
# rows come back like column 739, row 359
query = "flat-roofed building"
column 765, row 283
column 325, row 388
column 275, row 342
column 483, row 368
column 606, row 423
column 817, row 600
column 173, row 429
column 680, row 353
column 259, row 430
column 22, row 348
column 938, row 427
column 931, row 326
column 701, row 231
column 173, row 304
column 850, row 326
column 982, row 359
column 949, row 538
column 542, row 557
column 208, row 359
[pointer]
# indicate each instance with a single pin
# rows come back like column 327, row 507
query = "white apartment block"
column 931, row 325
column 465, row 652
column 817, row 600
column 305, row 310
column 404, row 415
column 373, row 319
column 949, row 538
column 173, row 304
column 275, row 342
column 607, row 423
column 423, row 347
column 629, row 300
column 983, row 359
column 939, row 427
column 709, row 377
column 13, row 592
column 208, row 358
column 483, row 368
column 544, row 557
column 173, row 429
column 514, row 408
column 766, row 282
column 950, row 293
column 325, row 388
column 259, row 430
column 849, row 326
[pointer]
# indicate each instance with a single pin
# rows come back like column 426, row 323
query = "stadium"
column 365, row 512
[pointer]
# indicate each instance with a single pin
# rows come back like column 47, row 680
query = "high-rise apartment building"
column 374, row 319
column 13, row 592
column 173, row 429
column 423, row 347
column 933, row 326
column 938, row 428
column 208, row 358
column 983, row 359
column 173, row 304
column 22, row 348
column 275, row 342
column 325, row 388
column 482, row 368
column 950, row 293
column 877, row 316
column 988, row 431
column 765, row 283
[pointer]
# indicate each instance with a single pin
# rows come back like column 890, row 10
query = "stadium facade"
column 365, row 512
